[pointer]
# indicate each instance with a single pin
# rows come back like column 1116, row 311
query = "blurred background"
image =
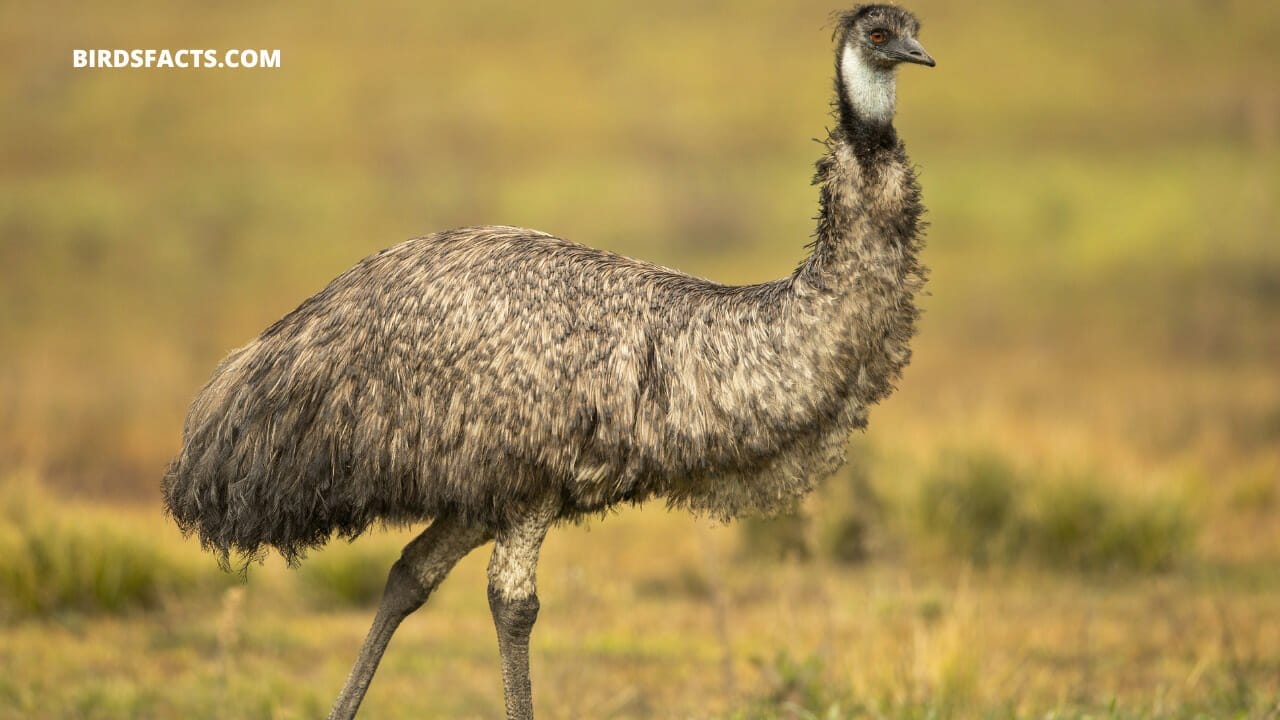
column 1070, row 508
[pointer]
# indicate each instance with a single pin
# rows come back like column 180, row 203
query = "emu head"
column 874, row 41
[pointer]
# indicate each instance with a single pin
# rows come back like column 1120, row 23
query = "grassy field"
column 1071, row 507
column 636, row 627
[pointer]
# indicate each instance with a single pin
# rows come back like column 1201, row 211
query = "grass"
column 969, row 507
column 1068, row 509
column 1075, row 524
column 51, row 569
column 82, row 562
column 977, row 508
column 346, row 577
column 629, row 633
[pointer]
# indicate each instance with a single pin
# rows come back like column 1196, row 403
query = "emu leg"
column 513, row 599
column 423, row 564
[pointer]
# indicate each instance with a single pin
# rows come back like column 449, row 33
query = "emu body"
column 496, row 380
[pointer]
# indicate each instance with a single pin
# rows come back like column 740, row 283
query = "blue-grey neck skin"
column 873, row 41
column 869, row 89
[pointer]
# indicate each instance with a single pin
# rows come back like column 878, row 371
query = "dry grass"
column 1101, row 181
column 629, row 630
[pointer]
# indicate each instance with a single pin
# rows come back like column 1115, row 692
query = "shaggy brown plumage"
column 496, row 381
column 469, row 372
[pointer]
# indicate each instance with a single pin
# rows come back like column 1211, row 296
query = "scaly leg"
column 513, row 599
column 423, row 564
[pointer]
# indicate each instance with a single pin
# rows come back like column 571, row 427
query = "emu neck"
column 857, row 287
column 869, row 211
column 870, row 92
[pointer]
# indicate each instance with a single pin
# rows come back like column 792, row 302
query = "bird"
column 494, row 382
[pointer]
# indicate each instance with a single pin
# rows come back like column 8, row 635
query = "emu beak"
column 910, row 50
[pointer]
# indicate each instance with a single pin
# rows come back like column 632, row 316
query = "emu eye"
column 878, row 37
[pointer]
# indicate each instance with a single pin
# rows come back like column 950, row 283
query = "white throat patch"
column 872, row 90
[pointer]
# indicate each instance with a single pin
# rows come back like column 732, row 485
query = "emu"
column 495, row 381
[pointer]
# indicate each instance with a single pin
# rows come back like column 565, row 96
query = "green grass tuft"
column 968, row 503
column 346, row 577
column 783, row 537
column 799, row 690
column 56, row 558
column 1077, row 524
column 978, row 507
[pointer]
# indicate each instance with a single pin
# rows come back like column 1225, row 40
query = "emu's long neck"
column 869, row 198
column 856, row 289
column 869, row 210
column 870, row 202
column 773, row 392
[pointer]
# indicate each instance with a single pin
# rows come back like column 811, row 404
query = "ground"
column 651, row 615
column 1070, row 507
